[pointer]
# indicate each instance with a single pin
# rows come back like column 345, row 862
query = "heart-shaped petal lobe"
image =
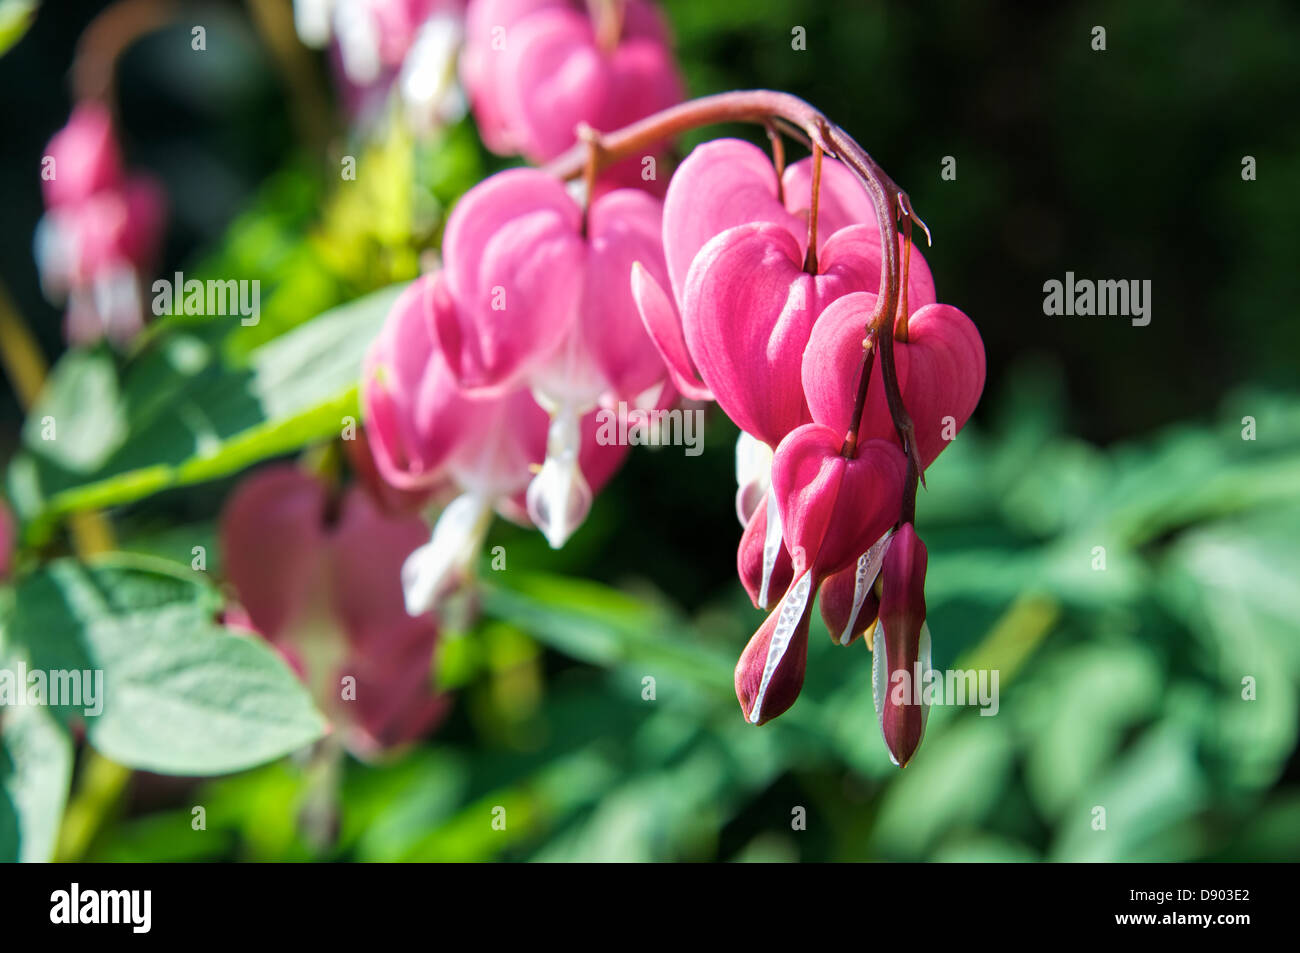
column 514, row 261
column 940, row 372
column 834, row 508
column 748, row 310
column 721, row 184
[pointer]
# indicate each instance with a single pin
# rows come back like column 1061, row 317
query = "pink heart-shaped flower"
column 940, row 372
column 833, row 507
column 747, row 312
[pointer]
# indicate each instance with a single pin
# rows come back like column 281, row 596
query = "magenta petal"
column 414, row 413
column 273, row 544
column 832, row 364
column 642, row 79
column 664, row 326
column 721, row 184
column 833, row 508
column 624, row 230
column 747, row 312
column 390, row 653
column 843, row 200
column 901, row 650
column 513, row 261
column 554, row 77
column 85, row 155
column 945, row 375
column 769, row 675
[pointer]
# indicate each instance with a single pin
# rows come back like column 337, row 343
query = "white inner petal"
column 358, row 38
column 558, row 498
column 771, row 547
column 456, row 540
column 428, row 81
column 863, row 579
column 311, row 18
column 753, row 472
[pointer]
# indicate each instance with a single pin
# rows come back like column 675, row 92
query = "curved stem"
column 810, row 259
column 114, row 29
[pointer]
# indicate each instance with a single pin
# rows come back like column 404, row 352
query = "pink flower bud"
column 770, row 672
column 901, row 649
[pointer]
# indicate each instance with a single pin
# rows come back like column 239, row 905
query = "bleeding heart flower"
column 427, row 433
column 940, row 371
column 538, row 294
column 535, row 69
column 82, row 158
column 833, row 508
column 100, row 233
column 319, row 580
column 901, row 649
column 752, row 287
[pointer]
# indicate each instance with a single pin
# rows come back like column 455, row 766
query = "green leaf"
column 179, row 694
column 35, row 768
column 185, row 411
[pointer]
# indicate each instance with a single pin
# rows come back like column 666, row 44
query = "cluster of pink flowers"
column 742, row 287
column 774, row 330
column 378, row 45
column 532, row 70
column 537, row 69
column 488, row 374
column 749, row 285
column 100, row 234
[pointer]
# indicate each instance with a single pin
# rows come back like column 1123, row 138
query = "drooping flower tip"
column 901, row 657
column 769, row 675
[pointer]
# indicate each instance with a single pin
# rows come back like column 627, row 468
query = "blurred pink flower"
column 319, row 579
column 100, row 234
column 535, row 294
column 535, row 69
column 375, row 45
column 426, row 433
